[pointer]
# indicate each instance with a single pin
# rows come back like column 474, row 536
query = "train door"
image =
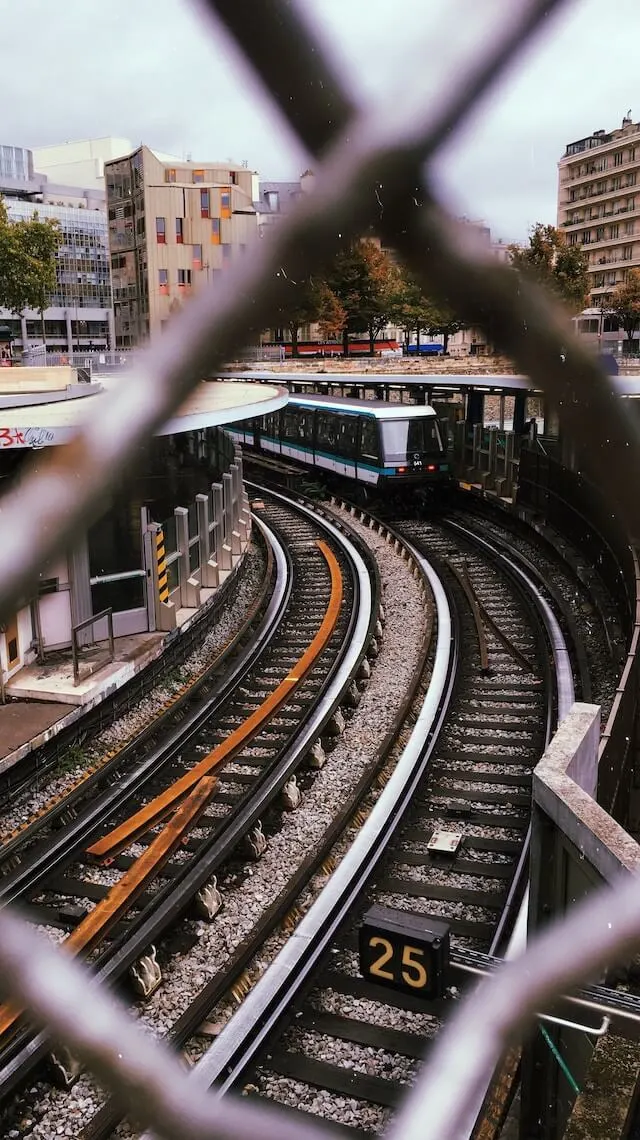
column 368, row 451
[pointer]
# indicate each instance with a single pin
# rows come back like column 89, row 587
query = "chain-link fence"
column 368, row 175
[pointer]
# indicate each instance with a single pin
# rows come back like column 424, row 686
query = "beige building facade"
column 173, row 226
column 79, row 163
column 599, row 204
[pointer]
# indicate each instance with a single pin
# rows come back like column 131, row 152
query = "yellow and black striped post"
column 161, row 563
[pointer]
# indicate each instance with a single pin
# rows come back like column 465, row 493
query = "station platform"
column 42, row 699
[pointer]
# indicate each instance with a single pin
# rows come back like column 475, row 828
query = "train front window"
column 404, row 439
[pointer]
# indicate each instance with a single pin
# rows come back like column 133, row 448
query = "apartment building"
column 173, row 225
column 79, row 315
column 599, row 203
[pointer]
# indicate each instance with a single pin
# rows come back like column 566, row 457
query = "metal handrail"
column 75, row 629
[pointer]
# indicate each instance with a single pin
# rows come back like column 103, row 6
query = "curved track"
column 292, row 683
column 324, row 1039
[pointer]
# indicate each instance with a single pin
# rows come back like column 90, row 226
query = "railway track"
column 373, row 1044
column 447, row 839
column 236, row 759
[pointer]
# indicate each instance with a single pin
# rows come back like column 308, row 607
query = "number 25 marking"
column 414, row 973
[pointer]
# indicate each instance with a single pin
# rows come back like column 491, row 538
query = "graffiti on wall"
column 34, row 437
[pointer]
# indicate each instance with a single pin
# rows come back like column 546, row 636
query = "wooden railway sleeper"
column 145, row 974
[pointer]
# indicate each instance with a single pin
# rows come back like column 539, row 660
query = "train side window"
column 348, row 436
column 369, row 448
column 290, row 424
column 326, row 431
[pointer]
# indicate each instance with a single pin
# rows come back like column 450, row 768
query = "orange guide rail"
column 106, row 913
column 137, row 824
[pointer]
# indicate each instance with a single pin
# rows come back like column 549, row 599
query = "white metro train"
column 373, row 442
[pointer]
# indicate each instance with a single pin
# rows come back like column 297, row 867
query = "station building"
column 171, row 534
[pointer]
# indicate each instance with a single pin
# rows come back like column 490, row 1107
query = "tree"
column 27, row 262
column 331, row 315
column 554, row 264
column 624, row 304
column 442, row 322
column 363, row 281
column 378, row 305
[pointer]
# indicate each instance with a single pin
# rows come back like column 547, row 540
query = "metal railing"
column 370, row 173
column 75, row 647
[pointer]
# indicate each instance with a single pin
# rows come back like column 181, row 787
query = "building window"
column 611, row 278
column 631, row 179
column 617, row 158
column 614, row 231
column 631, row 203
column 215, row 231
column 163, row 280
column 180, row 230
column 161, row 231
column 233, row 178
column 632, row 154
column 197, row 257
column 170, row 175
column 586, row 237
column 225, row 204
column 598, row 281
column 616, row 182
column 573, row 239
column 184, row 277
column 628, row 227
column 627, row 252
column 599, row 233
column 198, row 176
column 204, row 204
column 273, row 200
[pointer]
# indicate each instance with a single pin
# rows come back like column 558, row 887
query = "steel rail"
column 109, row 1116
column 244, row 1035
column 75, row 836
column 120, row 837
column 126, row 753
column 95, row 925
column 173, row 899
column 241, row 1041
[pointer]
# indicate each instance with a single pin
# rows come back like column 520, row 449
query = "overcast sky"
column 146, row 70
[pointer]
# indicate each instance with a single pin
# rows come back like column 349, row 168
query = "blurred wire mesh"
column 369, row 173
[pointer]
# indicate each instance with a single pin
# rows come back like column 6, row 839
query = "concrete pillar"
column 23, row 332
column 208, row 566
column 231, row 535
column 67, row 317
column 162, row 615
column 222, row 548
column 189, row 587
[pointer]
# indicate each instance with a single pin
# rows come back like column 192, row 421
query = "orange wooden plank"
column 106, row 913
column 137, row 824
